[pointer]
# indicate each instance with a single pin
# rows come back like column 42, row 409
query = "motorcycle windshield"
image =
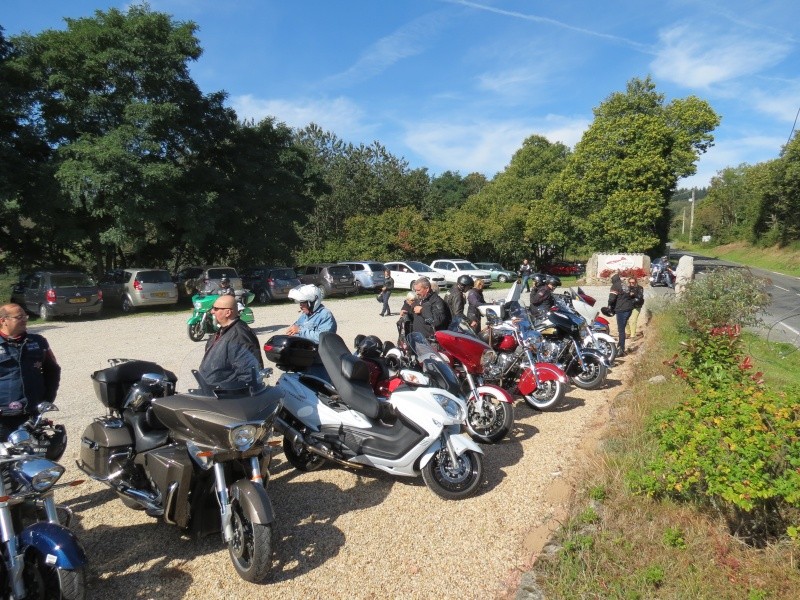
column 433, row 364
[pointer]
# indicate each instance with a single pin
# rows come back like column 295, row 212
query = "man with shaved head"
column 233, row 355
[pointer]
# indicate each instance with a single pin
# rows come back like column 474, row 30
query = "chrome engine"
column 499, row 367
column 550, row 350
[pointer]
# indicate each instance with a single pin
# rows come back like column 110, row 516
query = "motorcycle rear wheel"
column 549, row 393
column 609, row 349
column 494, row 423
column 453, row 482
column 197, row 332
column 250, row 547
column 300, row 458
column 593, row 377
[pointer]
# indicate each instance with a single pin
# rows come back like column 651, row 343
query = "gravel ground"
column 341, row 534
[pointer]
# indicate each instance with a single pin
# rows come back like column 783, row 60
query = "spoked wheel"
column 44, row 582
column 549, row 393
column 45, row 313
column 300, row 458
column 197, row 332
column 127, row 305
column 594, row 375
column 264, row 297
column 493, row 422
column 250, row 547
column 609, row 349
column 453, row 481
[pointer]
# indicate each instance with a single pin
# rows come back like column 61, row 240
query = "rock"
column 684, row 273
column 658, row 379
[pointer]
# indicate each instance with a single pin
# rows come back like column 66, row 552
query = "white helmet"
column 306, row 293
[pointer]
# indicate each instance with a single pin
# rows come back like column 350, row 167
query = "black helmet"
column 553, row 280
column 370, row 347
column 465, row 282
column 225, row 282
column 538, row 279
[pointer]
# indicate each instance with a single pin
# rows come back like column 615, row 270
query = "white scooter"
column 417, row 430
column 595, row 334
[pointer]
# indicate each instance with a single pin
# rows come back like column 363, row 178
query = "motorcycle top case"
column 290, row 352
column 112, row 384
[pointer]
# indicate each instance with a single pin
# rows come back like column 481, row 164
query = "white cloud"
column 339, row 115
column 781, row 105
column 696, row 57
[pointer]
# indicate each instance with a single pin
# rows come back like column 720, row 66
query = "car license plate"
column 343, row 280
column 159, row 295
column 78, row 300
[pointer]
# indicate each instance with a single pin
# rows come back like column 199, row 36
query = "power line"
column 793, row 126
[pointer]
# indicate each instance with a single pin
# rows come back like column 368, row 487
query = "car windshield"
column 71, row 280
column 154, row 277
column 220, row 273
column 463, row 265
column 419, row 267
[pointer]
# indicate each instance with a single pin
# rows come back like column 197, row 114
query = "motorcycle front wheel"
column 594, row 375
column 300, row 458
column 453, row 482
column 197, row 332
column 250, row 547
column 549, row 393
column 494, row 422
column 45, row 581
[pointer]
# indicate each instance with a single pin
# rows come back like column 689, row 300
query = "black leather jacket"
column 435, row 315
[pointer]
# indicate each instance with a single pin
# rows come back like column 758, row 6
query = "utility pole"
column 691, row 217
column 683, row 222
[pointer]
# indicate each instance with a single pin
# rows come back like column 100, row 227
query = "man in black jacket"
column 232, row 354
column 622, row 300
column 430, row 312
column 29, row 373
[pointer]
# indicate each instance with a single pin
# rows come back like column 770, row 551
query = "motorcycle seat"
column 349, row 375
column 147, row 433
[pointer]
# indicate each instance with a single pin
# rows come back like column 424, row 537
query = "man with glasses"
column 233, row 355
column 29, row 372
column 430, row 311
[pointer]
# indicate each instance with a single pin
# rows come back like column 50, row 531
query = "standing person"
column 542, row 296
column 638, row 302
column 456, row 298
column 621, row 300
column 29, row 372
column 474, row 300
column 233, row 354
column 525, row 271
column 315, row 317
column 386, row 293
column 430, row 312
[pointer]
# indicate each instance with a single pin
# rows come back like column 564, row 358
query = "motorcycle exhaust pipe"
column 146, row 499
column 297, row 438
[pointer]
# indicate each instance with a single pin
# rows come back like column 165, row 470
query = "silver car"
column 369, row 274
column 136, row 288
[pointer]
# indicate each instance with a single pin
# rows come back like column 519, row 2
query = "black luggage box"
column 290, row 352
column 112, row 384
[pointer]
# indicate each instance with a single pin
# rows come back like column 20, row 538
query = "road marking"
column 781, row 288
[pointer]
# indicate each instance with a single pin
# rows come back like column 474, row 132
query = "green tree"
column 779, row 216
column 617, row 184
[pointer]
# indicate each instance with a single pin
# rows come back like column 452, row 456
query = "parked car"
column 406, row 272
column 331, row 279
column 562, row 268
column 195, row 279
column 368, row 274
column 497, row 272
column 136, row 288
column 270, row 283
column 453, row 268
column 52, row 294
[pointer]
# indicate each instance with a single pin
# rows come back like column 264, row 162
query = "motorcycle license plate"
column 78, row 300
column 159, row 294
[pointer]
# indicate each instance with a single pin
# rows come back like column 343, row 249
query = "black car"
column 270, row 283
column 52, row 294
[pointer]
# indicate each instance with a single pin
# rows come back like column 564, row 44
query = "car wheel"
column 502, row 279
column 127, row 305
column 45, row 313
column 358, row 287
column 264, row 297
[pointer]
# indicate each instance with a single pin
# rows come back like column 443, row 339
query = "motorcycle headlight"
column 488, row 357
column 38, row 474
column 452, row 408
column 197, row 305
column 243, row 437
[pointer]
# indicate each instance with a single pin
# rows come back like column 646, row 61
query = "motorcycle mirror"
column 44, row 407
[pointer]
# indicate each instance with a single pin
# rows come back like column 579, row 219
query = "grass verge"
column 780, row 260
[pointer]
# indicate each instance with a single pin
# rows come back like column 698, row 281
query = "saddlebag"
column 290, row 352
column 106, row 444
column 112, row 384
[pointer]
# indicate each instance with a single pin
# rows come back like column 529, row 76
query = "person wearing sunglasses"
column 233, row 354
column 29, row 372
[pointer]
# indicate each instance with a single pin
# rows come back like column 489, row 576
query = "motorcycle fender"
column 504, row 395
column 550, row 372
column 605, row 337
column 195, row 318
column 247, row 315
column 461, row 443
column 598, row 354
column 253, row 499
column 58, row 546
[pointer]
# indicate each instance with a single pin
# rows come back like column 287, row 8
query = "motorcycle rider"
column 456, row 298
column 430, row 311
column 29, row 373
column 233, row 354
column 315, row 317
column 542, row 296
column 474, row 300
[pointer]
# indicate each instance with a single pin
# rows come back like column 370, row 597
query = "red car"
column 562, row 268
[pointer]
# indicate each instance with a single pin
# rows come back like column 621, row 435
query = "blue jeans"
column 525, row 283
column 386, row 310
column 622, row 321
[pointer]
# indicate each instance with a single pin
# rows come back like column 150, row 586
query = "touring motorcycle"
column 41, row 557
column 202, row 320
column 595, row 330
column 416, row 430
column 661, row 273
column 197, row 460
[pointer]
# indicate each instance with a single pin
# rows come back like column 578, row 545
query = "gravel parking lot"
column 342, row 534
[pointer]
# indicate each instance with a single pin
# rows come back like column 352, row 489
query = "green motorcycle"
column 202, row 320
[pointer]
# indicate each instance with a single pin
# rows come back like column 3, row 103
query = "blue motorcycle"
column 41, row 558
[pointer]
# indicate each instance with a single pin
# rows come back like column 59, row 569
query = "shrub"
column 724, row 297
column 637, row 272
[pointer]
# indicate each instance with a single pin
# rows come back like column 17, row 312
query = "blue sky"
column 458, row 85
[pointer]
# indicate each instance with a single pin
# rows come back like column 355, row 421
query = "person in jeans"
column 525, row 270
column 622, row 299
column 386, row 293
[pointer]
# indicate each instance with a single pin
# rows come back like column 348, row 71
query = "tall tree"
column 779, row 216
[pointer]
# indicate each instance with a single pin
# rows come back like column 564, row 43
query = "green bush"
column 724, row 297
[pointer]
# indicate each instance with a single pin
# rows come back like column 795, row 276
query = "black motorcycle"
column 661, row 273
column 198, row 460
column 563, row 345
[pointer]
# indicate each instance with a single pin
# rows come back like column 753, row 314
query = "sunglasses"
column 216, row 308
